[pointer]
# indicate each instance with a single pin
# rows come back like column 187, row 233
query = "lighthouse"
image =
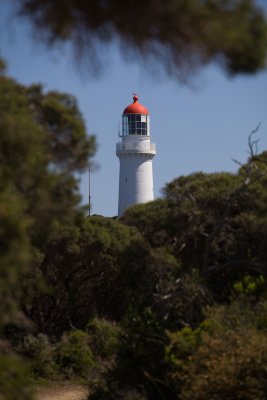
column 135, row 152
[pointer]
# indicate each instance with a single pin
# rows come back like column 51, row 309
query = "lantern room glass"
column 135, row 124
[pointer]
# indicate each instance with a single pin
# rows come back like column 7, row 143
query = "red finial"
column 135, row 97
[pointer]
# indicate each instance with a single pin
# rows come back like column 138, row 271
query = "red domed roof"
column 135, row 107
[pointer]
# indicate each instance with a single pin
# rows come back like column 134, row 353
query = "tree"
column 214, row 224
column 43, row 142
column 215, row 227
column 182, row 35
column 93, row 268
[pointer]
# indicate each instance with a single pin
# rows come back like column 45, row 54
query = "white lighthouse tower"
column 135, row 152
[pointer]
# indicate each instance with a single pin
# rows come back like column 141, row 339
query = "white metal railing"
column 136, row 147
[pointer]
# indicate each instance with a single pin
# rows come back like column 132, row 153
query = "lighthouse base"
column 136, row 180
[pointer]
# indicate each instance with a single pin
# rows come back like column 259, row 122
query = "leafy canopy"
column 182, row 34
column 43, row 142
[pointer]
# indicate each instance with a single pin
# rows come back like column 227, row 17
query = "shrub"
column 14, row 379
column 74, row 356
column 104, row 337
column 41, row 352
column 225, row 358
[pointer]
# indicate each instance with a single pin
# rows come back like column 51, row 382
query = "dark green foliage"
column 2, row 66
column 214, row 226
column 40, row 150
column 152, row 273
column 224, row 358
column 201, row 203
column 150, row 219
column 14, row 379
column 69, row 357
column 43, row 142
column 104, row 337
column 167, row 302
column 181, row 34
column 14, row 252
column 99, row 267
column 88, row 268
column 41, row 352
column 141, row 360
column 141, row 363
column 211, row 224
column 59, row 115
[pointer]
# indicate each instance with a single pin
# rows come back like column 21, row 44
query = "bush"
column 14, row 379
column 71, row 356
column 74, row 356
column 104, row 337
column 225, row 358
column 42, row 353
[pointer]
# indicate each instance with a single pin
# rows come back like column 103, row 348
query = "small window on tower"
column 143, row 118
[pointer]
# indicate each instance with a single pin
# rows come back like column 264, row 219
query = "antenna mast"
column 89, row 182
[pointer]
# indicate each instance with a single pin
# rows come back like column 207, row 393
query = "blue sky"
column 201, row 127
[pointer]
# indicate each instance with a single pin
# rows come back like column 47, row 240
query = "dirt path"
column 62, row 392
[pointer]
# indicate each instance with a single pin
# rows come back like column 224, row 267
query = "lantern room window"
column 135, row 124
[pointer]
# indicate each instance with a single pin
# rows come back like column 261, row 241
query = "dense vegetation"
column 43, row 143
column 167, row 302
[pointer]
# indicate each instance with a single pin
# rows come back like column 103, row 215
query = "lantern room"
column 135, row 119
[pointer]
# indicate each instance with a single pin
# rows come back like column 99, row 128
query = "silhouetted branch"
column 237, row 265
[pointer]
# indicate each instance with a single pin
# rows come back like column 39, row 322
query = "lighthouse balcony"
column 144, row 147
